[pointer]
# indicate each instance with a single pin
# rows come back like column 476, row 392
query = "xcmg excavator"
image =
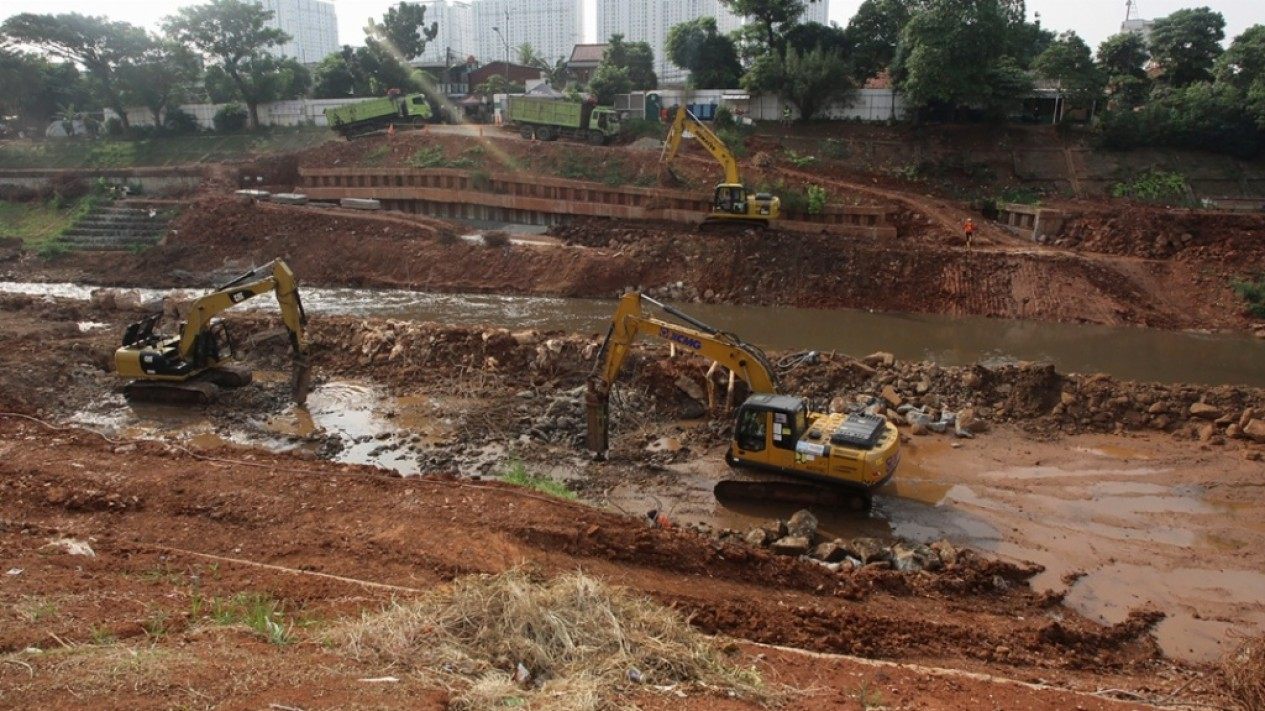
column 193, row 364
column 731, row 203
column 835, row 459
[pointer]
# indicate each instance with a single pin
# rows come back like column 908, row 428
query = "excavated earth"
column 172, row 522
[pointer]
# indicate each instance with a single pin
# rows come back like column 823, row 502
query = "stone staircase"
column 119, row 226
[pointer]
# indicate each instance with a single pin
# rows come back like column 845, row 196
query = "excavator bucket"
column 597, row 417
column 302, row 380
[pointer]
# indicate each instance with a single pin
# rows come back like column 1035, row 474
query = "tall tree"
column 1122, row 62
column 1243, row 67
column 608, row 81
column 1069, row 62
column 635, row 58
column 32, row 88
column 1186, row 44
column 815, row 79
column 873, row 32
column 770, row 17
column 97, row 44
column 159, row 77
column 403, row 33
column 710, row 57
column 340, row 75
column 946, row 52
column 233, row 34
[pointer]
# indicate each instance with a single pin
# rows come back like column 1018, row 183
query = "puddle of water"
column 1195, row 600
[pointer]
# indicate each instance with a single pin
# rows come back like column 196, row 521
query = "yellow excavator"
column 194, row 364
column 835, row 459
column 731, row 203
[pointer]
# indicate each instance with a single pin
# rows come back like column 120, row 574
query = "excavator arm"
column 745, row 360
column 705, row 137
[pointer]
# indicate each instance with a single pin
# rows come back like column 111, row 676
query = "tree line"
column 950, row 60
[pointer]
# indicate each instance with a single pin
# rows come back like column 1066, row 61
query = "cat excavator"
column 193, row 365
column 836, row 459
column 731, row 203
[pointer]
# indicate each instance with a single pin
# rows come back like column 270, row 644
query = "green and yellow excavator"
column 731, row 203
column 192, row 365
column 836, row 459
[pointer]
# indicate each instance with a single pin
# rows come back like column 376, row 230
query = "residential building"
column 650, row 20
column 455, row 41
column 311, row 24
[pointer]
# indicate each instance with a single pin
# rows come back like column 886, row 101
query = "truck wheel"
column 526, row 132
column 597, row 138
column 544, row 133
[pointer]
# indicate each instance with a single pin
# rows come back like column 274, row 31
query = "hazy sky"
column 1093, row 20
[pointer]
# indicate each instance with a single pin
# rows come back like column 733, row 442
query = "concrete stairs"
column 119, row 226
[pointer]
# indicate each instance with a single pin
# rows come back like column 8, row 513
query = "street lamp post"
column 504, row 41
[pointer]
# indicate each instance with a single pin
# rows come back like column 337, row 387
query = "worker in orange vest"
column 968, row 230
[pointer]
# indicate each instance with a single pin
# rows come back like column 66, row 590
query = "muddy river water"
column 1093, row 512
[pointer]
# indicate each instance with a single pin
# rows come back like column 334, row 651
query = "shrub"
column 1154, row 185
column 230, row 118
column 1253, row 293
column 180, row 122
column 724, row 117
column 817, row 198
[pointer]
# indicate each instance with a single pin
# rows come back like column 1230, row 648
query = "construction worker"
column 968, row 231
column 786, row 115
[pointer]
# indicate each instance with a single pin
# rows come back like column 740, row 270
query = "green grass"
column 261, row 612
column 36, row 223
column 161, row 151
column 516, row 473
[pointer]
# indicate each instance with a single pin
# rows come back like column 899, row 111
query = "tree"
column 232, row 33
column 1243, row 67
column 1069, row 62
column 1186, row 44
column 32, row 88
column 1122, row 62
column 340, row 75
column 946, row 52
column 608, row 81
column 100, row 46
column 159, row 78
column 497, row 84
column 635, row 58
column 710, row 57
column 873, row 32
column 770, row 18
column 402, row 34
column 807, row 36
column 557, row 75
column 815, row 79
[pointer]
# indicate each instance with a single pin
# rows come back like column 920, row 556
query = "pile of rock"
column 798, row 537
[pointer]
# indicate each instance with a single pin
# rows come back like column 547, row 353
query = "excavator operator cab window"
column 219, row 344
column 731, row 199
column 751, row 430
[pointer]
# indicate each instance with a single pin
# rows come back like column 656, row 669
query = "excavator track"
column 200, row 390
column 746, row 484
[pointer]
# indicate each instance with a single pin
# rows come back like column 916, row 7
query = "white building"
column 311, row 24
column 493, row 30
column 650, row 20
column 455, row 40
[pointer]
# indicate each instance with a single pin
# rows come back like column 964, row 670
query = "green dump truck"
column 363, row 117
column 551, row 119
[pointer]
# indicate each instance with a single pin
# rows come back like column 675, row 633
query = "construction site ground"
column 117, row 546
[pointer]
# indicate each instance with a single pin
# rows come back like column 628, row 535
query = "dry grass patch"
column 1244, row 671
column 570, row 643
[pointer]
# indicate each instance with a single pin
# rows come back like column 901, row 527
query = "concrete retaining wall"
column 542, row 201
